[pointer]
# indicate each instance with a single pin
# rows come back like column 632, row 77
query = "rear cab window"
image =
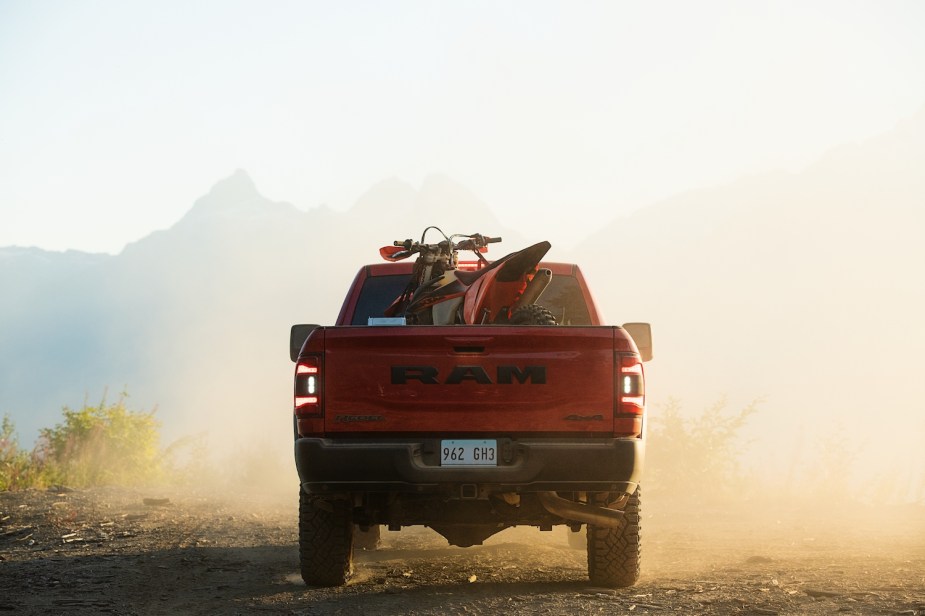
column 563, row 297
column 377, row 294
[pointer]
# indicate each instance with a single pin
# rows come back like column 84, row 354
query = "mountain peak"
column 235, row 188
column 444, row 202
column 392, row 195
column 234, row 197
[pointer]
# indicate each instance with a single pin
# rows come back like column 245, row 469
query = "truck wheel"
column 367, row 539
column 325, row 540
column 532, row 314
column 614, row 553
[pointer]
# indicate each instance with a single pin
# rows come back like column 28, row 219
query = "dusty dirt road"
column 113, row 551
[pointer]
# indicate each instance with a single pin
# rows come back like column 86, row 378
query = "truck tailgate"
column 469, row 380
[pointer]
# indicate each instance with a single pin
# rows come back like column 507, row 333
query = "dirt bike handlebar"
column 472, row 242
column 476, row 243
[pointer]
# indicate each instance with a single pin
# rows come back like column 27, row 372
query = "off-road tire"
column 614, row 553
column 325, row 540
column 532, row 314
column 367, row 539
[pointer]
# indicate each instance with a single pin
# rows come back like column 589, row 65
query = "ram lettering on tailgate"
column 505, row 375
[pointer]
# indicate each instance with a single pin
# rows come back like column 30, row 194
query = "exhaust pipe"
column 534, row 288
column 580, row 512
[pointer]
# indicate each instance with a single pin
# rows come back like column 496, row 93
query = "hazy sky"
column 116, row 115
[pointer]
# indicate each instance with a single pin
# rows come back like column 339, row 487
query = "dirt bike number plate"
column 469, row 453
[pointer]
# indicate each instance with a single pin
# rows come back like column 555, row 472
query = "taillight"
column 631, row 396
column 307, row 395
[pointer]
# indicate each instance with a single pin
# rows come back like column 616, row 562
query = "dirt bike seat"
column 467, row 277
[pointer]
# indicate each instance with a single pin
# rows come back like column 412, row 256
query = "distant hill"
column 807, row 289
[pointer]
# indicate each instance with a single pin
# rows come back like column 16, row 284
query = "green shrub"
column 102, row 445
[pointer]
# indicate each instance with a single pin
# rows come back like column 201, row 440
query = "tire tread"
column 325, row 541
column 614, row 554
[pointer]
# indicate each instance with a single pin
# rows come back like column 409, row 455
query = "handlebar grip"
column 492, row 240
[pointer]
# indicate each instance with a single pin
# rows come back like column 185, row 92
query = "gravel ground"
column 124, row 551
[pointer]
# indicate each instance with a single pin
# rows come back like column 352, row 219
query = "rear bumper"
column 526, row 465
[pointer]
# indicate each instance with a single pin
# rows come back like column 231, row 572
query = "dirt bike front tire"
column 534, row 314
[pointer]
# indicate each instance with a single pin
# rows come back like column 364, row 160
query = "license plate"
column 469, row 453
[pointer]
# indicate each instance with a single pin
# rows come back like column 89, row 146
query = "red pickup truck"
column 468, row 429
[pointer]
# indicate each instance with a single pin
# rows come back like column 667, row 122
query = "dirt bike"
column 498, row 292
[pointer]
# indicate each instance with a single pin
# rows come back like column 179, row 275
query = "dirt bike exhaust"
column 534, row 288
column 580, row 512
